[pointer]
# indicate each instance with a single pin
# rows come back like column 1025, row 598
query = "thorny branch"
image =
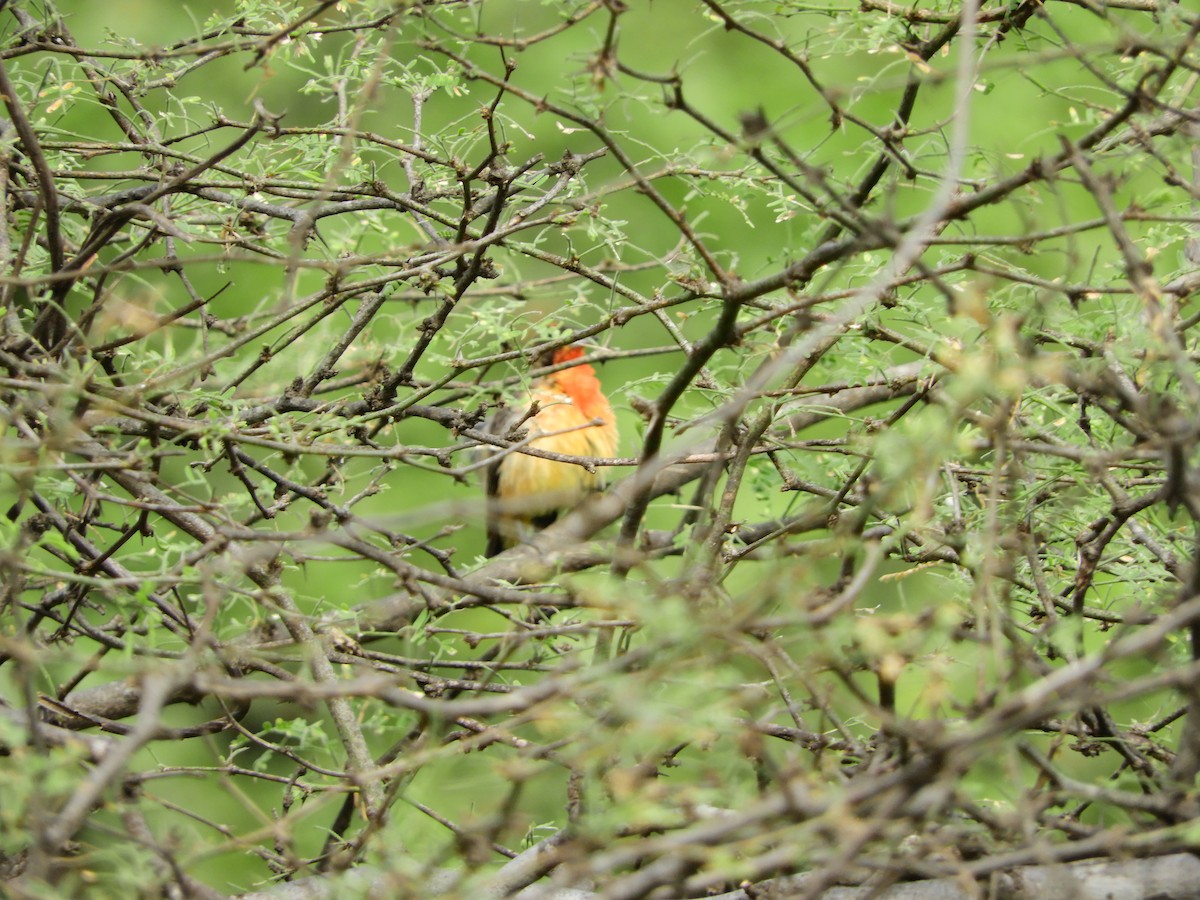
column 904, row 528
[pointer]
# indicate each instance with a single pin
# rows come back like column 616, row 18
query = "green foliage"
column 895, row 571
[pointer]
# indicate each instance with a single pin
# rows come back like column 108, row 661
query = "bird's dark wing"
column 498, row 424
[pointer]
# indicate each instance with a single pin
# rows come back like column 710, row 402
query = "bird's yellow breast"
column 537, row 485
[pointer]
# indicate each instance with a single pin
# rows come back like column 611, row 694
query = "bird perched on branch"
column 566, row 413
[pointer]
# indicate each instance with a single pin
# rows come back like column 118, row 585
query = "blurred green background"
column 699, row 682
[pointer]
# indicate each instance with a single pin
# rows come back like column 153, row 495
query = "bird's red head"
column 568, row 353
column 579, row 381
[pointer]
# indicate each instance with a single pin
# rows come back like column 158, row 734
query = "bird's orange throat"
column 583, row 387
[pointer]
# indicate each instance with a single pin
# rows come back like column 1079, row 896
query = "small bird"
column 567, row 413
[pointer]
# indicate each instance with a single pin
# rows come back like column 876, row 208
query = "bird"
column 566, row 412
